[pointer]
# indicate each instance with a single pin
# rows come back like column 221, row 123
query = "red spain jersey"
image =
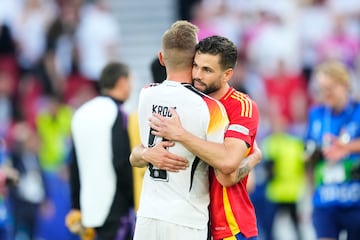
column 230, row 207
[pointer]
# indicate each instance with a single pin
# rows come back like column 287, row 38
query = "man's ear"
column 161, row 58
column 228, row 74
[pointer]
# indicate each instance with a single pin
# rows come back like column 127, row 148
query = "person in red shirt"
column 232, row 214
column 286, row 91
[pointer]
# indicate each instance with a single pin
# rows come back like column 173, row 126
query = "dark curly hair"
column 217, row 45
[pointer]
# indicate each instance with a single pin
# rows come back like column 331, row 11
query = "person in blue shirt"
column 333, row 149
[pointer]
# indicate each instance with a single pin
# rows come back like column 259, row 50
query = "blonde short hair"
column 336, row 70
column 178, row 44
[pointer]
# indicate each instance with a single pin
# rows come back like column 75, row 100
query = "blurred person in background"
column 29, row 30
column 53, row 125
column 333, row 150
column 8, row 61
column 97, row 39
column 273, row 38
column 185, row 8
column 6, row 102
column 202, row 17
column 285, row 188
column 8, row 76
column 60, row 71
column 284, row 90
column 101, row 175
column 350, row 10
column 60, row 59
column 28, row 195
column 29, row 95
column 340, row 44
column 8, row 177
column 53, row 120
column 315, row 23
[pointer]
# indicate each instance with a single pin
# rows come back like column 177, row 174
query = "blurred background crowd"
column 52, row 52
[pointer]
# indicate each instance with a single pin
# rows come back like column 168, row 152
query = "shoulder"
column 357, row 109
column 241, row 97
column 357, row 105
column 202, row 95
column 149, row 88
column 213, row 105
column 316, row 110
column 151, row 85
column 234, row 97
column 97, row 106
column 236, row 102
column 98, row 102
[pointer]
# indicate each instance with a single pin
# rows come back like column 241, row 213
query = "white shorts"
column 153, row 229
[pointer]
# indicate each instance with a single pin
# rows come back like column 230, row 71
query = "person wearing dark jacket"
column 101, row 176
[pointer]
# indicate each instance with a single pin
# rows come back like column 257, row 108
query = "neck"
column 218, row 94
column 180, row 76
column 115, row 95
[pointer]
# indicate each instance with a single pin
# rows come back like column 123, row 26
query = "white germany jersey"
column 181, row 198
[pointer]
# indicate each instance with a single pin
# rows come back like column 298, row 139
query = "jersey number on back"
column 156, row 173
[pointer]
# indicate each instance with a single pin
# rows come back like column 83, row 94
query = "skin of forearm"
column 247, row 165
column 136, row 157
column 225, row 157
column 228, row 180
column 220, row 156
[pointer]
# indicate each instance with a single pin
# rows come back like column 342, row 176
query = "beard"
column 205, row 88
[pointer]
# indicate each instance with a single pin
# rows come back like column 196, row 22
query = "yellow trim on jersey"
column 234, row 228
column 230, row 238
column 248, row 151
column 246, row 104
column 228, row 94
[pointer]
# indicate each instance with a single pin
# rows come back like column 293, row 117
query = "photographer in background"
column 333, row 151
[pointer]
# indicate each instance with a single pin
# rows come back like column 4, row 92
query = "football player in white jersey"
column 174, row 205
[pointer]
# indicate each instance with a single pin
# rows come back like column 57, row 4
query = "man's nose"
column 196, row 73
